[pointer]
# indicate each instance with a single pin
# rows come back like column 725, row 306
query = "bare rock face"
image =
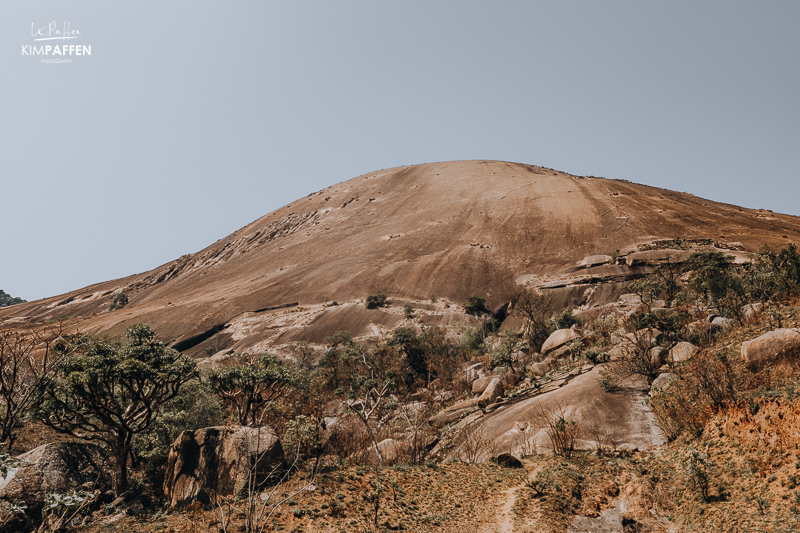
column 683, row 351
column 492, row 393
column 773, row 347
column 559, row 338
column 55, row 468
column 220, row 460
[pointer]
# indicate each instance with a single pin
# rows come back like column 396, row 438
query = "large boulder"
column 55, row 468
column 480, row 384
column 751, row 312
column 559, row 338
column 540, row 369
column 683, row 351
column 221, row 460
column 772, row 347
column 662, row 382
column 492, row 393
column 391, row 451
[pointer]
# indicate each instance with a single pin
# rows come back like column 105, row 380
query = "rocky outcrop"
column 492, row 393
column 773, row 347
column 221, row 460
column 55, row 468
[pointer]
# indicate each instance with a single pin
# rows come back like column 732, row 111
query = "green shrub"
column 119, row 301
column 376, row 300
column 566, row 320
column 475, row 305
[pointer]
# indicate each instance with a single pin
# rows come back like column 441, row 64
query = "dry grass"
column 450, row 498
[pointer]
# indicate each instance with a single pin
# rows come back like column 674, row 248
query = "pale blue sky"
column 191, row 119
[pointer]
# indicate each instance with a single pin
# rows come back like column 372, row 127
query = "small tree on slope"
column 110, row 392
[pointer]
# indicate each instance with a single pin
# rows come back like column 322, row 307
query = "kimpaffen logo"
column 53, row 52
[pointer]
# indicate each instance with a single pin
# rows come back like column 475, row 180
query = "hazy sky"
column 191, row 119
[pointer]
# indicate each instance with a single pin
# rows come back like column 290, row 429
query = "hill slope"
column 450, row 229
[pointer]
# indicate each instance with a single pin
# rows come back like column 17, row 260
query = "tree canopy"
column 109, row 391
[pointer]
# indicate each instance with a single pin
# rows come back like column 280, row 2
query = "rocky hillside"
column 7, row 299
column 451, row 230
column 550, row 353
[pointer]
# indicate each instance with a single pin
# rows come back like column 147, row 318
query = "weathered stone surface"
column 559, row 338
column 595, row 260
column 662, row 382
column 752, row 311
column 540, row 369
column 721, row 322
column 55, row 468
column 391, row 451
column 474, row 372
column 422, row 395
column 480, row 384
column 444, row 396
column 492, row 393
column 445, row 417
column 219, row 460
column 773, row 347
column 683, row 351
column 511, row 378
column 658, row 356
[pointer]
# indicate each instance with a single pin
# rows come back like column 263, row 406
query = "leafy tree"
column 407, row 341
column 504, row 353
column 712, row 274
column 535, row 310
column 441, row 354
column 251, row 387
column 111, row 391
column 338, row 360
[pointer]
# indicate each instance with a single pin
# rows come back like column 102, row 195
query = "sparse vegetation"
column 119, row 301
column 374, row 301
column 7, row 299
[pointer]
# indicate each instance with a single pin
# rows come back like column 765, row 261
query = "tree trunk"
column 122, row 451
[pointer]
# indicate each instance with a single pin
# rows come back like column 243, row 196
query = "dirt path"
column 505, row 514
